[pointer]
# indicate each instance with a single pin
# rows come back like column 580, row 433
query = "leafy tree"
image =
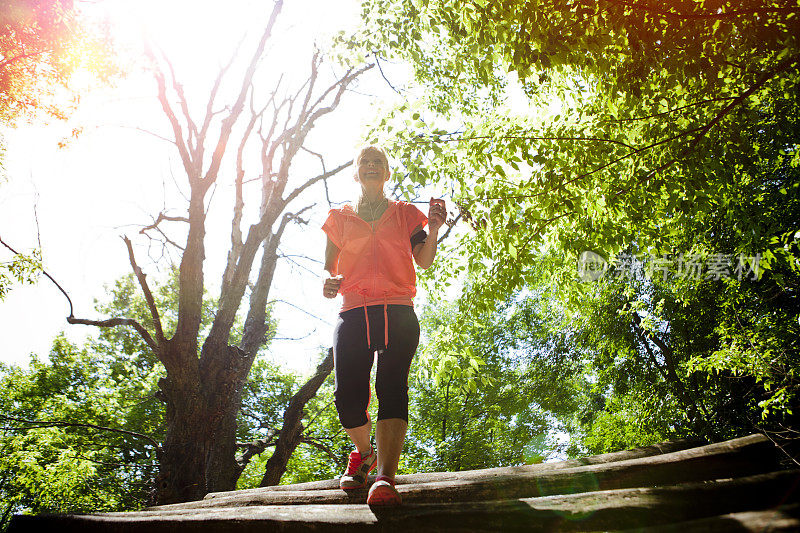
column 82, row 431
column 641, row 128
column 42, row 43
column 63, row 445
column 652, row 101
column 489, row 395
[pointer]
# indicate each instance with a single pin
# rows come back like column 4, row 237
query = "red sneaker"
column 383, row 493
column 358, row 468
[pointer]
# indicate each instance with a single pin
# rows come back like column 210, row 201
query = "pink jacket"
column 376, row 265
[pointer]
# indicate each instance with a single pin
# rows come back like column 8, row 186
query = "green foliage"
column 323, row 451
column 62, row 448
column 648, row 129
column 20, row 269
column 646, row 137
column 485, row 394
column 52, row 460
column 325, row 447
column 322, row 454
column 60, row 460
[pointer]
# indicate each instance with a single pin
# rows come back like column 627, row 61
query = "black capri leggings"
column 353, row 362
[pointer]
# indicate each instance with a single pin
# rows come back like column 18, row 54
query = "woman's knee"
column 352, row 411
column 392, row 399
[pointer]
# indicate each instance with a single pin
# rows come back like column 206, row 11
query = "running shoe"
column 358, row 468
column 383, row 493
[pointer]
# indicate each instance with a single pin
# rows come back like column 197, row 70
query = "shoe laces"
column 354, row 462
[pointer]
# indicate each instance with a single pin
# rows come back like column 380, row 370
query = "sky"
column 116, row 176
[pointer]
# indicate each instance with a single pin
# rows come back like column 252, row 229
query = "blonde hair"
column 371, row 148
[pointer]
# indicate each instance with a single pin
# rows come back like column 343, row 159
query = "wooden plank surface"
column 602, row 510
column 635, row 453
column 706, row 488
column 739, row 457
column 780, row 519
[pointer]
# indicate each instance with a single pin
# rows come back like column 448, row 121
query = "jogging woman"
column 369, row 258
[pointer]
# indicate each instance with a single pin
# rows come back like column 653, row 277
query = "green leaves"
column 635, row 131
column 20, row 269
column 52, row 461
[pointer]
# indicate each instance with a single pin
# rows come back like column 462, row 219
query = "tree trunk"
column 292, row 430
column 198, row 455
column 223, row 396
column 182, row 460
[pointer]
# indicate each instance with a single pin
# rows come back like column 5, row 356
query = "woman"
column 369, row 257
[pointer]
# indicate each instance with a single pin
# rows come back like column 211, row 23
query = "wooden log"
column 635, row 453
column 739, row 457
column 783, row 518
column 602, row 510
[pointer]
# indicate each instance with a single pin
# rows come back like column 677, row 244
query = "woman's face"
column 372, row 169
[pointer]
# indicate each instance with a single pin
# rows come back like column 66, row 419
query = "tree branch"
column 235, row 251
column 210, row 105
column 450, row 225
column 161, row 218
column 314, row 418
column 236, row 109
column 317, row 444
column 113, row 322
column 643, row 338
column 670, row 111
column 380, row 69
column 255, row 327
column 148, row 295
column 697, row 132
column 291, row 432
column 452, row 138
column 57, row 423
column 177, row 132
column 190, row 125
column 703, row 130
column 253, row 448
column 325, row 175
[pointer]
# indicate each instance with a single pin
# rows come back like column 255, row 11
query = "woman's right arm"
column 331, row 286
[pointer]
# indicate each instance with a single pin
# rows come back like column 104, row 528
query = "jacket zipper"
column 374, row 231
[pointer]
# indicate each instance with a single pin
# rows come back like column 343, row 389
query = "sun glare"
column 114, row 175
column 199, row 37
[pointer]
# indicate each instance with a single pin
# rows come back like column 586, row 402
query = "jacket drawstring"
column 385, row 323
column 385, row 319
column 366, row 317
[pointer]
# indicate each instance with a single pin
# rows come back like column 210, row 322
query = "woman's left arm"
column 425, row 252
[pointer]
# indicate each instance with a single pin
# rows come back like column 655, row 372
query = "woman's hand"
column 331, row 287
column 425, row 252
column 437, row 213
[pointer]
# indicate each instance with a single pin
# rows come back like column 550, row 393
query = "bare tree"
column 205, row 377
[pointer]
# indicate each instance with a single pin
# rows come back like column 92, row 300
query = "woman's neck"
column 371, row 207
column 371, row 196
